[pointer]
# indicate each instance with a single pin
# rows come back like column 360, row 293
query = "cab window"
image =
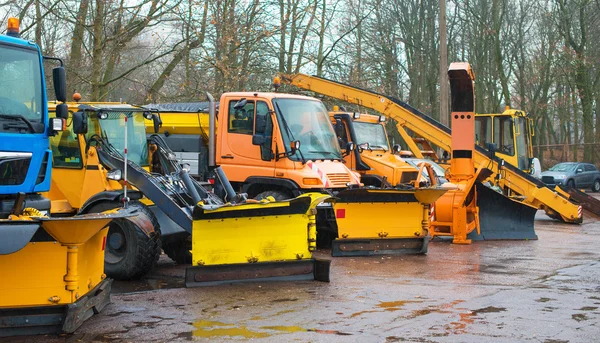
column 241, row 120
column 65, row 148
column 503, row 135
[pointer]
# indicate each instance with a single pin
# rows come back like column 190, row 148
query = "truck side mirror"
column 396, row 148
column 261, row 123
column 339, row 128
column 258, row 140
column 350, row 147
column 59, row 78
column 80, row 125
column 62, row 111
column 157, row 122
column 579, row 170
column 294, row 146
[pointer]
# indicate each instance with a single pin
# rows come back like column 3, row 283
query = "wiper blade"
column 18, row 117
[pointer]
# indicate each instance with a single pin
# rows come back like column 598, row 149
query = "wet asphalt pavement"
column 495, row 291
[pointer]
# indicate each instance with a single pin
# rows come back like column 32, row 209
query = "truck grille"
column 13, row 171
column 338, row 179
column 548, row 179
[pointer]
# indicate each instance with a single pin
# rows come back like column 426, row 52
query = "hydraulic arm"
column 515, row 182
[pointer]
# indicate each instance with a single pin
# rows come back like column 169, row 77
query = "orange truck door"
column 247, row 148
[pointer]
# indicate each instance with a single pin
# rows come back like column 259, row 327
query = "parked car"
column 573, row 174
column 437, row 169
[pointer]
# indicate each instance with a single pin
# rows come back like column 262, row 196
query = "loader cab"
column 373, row 157
column 281, row 141
column 78, row 175
column 511, row 132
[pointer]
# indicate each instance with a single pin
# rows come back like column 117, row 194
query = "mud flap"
column 54, row 319
column 386, row 246
column 501, row 218
column 301, row 270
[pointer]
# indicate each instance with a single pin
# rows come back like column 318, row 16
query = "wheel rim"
column 597, row 185
column 116, row 247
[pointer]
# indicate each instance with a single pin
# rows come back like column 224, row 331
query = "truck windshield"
column 308, row 122
column 372, row 133
column 113, row 129
column 20, row 85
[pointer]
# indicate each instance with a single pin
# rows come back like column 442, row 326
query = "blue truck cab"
column 25, row 156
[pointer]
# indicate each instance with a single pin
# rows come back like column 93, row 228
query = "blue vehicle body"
column 36, row 143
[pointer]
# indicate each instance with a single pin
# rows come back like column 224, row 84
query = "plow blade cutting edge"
column 383, row 221
column 256, row 242
column 501, row 218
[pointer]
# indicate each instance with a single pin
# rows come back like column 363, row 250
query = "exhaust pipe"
column 211, row 131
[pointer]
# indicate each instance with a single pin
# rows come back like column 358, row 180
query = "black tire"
column 596, row 186
column 130, row 253
column 178, row 249
column 278, row 195
column 571, row 183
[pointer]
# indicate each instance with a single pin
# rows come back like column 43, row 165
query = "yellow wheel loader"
column 281, row 145
column 51, row 268
column 232, row 238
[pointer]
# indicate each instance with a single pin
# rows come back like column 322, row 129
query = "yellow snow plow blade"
column 256, row 241
column 53, row 274
column 383, row 221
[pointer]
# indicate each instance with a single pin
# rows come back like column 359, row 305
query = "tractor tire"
column 278, row 195
column 596, row 186
column 130, row 253
column 571, row 183
column 178, row 249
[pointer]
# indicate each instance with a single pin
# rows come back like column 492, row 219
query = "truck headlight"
column 560, row 177
column 116, row 175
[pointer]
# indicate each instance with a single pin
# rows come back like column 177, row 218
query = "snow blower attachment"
column 52, row 271
column 233, row 238
column 470, row 210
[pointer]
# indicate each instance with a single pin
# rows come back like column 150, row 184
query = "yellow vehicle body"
column 247, row 241
column 56, row 280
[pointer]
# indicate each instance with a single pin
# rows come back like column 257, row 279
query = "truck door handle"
column 227, row 156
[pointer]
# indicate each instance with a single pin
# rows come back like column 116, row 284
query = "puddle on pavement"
column 389, row 306
column 145, row 285
column 211, row 329
column 215, row 329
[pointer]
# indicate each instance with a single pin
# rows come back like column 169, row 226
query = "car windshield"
column 307, row 121
column 113, row 129
column 372, row 133
column 20, row 83
column 564, row 167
